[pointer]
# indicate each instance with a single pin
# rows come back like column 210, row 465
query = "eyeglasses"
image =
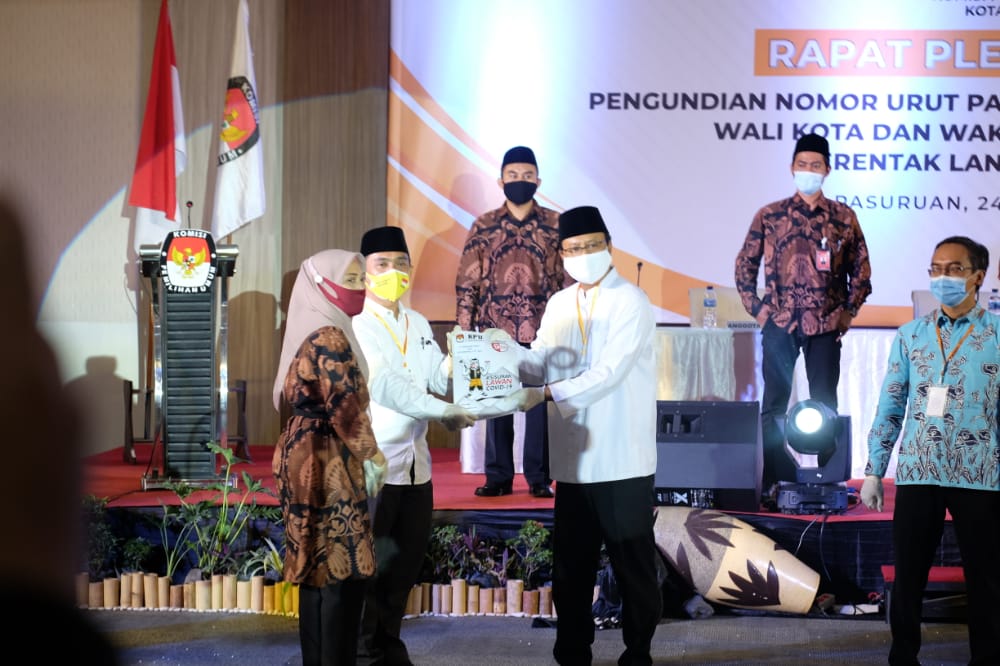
column 951, row 270
column 587, row 248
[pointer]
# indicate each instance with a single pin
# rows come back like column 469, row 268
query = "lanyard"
column 585, row 326
column 406, row 337
column 937, row 329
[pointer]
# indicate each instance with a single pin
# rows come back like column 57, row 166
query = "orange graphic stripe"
column 435, row 241
column 433, row 161
column 404, row 77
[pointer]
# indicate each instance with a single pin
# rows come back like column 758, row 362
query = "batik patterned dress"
column 318, row 464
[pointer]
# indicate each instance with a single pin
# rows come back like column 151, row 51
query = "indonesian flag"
column 162, row 150
column 239, row 185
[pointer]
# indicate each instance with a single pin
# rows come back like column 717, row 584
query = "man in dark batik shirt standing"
column 509, row 268
column 816, row 278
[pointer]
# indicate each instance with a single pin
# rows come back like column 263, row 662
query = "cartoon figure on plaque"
column 474, row 373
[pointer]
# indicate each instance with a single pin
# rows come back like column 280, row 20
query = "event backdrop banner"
column 678, row 120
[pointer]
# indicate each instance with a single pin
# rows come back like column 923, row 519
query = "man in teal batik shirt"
column 941, row 389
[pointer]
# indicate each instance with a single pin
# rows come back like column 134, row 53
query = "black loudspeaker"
column 709, row 454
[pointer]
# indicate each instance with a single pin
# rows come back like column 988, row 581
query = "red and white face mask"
column 351, row 301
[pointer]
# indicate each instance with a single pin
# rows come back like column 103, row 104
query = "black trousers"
column 498, row 461
column 917, row 525
column 499, row 453
column 619, row 514
column 328, row 622
column 402, row 529
column 780, row 350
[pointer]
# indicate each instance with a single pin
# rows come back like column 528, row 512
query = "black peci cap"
column 813, row 143
column 383, row 239
column 519, row 155
column 579, row 221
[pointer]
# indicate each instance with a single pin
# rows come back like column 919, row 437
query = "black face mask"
column 519, row 191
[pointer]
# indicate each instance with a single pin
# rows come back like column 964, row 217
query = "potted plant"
column 531, row 557
column 220, row 522
column 135, row 552
column 217, row 528
column 531, row 553
column 144, row 589
column 444, row 558
column 102, row 553
column 447, row 553
column 260, row 566
column 266, row 561
column 470, row 563
column 175, row 541
column 102, row 544
column 492, row 559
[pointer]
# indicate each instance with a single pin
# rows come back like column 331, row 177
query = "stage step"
column 944, row 596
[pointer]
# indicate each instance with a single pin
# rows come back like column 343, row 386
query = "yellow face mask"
column 389, row 286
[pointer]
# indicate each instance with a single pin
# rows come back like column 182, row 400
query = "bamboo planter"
column 459, row 598
column 221, row 593
column 136, row 590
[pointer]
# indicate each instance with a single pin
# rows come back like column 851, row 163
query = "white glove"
column 375, row 473
column 489, row 408
column 456, row 417
column 528, row 397
column 495, row 334
column 872, row 493
column 518, row 401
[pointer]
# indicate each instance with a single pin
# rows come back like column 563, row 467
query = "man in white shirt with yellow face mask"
column 405, row 367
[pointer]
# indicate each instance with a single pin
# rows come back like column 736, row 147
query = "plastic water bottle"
column 708, row 308
column 993, row 304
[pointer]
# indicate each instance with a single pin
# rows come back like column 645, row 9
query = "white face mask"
column 588, row 268
column 808, row 182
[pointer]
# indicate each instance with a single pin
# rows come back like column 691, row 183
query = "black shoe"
column 494, row 489
column 541, row 490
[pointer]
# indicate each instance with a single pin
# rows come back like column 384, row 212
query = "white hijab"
column 309, row 310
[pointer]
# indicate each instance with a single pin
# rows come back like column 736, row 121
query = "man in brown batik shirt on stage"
column 816, row 278
column 509, row 268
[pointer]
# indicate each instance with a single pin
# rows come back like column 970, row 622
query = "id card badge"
column 937, row 400
column 823, row 260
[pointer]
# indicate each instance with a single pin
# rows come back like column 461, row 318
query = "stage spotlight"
column 810, row 429
column 813, row 430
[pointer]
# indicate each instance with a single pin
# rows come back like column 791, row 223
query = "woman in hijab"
column 320, row 459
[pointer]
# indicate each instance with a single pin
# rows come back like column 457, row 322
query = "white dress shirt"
column 595, row 351
column 405, row 363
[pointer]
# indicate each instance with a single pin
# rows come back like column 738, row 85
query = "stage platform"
column 847, row 550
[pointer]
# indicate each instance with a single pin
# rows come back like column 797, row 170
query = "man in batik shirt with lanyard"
column 816, row 278
column 941, row 389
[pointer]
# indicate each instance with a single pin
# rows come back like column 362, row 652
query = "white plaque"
column 482, row 368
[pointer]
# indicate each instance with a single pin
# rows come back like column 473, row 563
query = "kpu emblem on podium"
column 188, row 262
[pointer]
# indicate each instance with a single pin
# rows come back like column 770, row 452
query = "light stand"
column 814, row 430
